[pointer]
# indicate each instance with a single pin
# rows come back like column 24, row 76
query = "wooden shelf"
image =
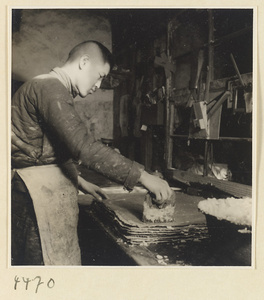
column 233, row 188
column 210, row 85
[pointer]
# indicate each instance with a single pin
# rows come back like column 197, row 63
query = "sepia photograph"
column 132, row 136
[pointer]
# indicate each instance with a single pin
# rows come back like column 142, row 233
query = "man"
column 46, row 133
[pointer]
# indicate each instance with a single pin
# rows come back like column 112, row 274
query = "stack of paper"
column 122, row 213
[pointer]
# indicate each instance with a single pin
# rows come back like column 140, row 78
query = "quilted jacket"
column 46, row 129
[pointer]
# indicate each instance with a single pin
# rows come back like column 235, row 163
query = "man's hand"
column 92, row 189
column 157, row 186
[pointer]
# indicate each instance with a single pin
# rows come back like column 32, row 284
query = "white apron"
column 55, row 202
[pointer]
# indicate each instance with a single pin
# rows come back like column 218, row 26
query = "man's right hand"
column 157, row 186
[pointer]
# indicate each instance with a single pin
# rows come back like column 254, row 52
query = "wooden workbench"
column 106, row 247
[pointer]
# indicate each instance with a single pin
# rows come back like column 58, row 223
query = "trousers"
column 25, row 239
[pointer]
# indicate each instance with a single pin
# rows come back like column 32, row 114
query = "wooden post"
column 169, row 110
column 170, row 140
column 205, row 170
column 147, row 144
column 209, row 78
column 210, row 65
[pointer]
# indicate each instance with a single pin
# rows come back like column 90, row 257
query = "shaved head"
column 87, row 65
column 93, row 49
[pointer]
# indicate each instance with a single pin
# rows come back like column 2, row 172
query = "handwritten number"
column 39, row 283
column 16, row 282
column 26, row 282
column 51, row 281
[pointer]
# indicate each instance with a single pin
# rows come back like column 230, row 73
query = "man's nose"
column 98, row 83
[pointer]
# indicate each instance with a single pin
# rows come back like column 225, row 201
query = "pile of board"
column 122, row 214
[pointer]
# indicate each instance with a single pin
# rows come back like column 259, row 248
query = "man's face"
column 91, row 76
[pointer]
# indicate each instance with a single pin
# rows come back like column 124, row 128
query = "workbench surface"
column 102, row 245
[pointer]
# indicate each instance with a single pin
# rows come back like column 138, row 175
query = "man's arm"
column 56, row 108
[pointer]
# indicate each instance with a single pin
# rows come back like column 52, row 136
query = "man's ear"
column 84, row 60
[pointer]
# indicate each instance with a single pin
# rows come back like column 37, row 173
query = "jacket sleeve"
column 55, row 106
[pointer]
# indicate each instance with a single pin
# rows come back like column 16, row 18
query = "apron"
column 54, row 199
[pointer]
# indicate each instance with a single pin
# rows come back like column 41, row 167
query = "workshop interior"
column 179, row 101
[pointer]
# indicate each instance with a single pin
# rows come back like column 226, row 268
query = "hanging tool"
column 214, row 108
column 199, row 121
column 194, row 85
column 246, row 88
column 227, row 93
column 237, row 71
column 194, row 82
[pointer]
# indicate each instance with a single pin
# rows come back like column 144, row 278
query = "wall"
column 43, row 40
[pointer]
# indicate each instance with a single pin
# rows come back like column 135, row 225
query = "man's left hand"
column 92, row 189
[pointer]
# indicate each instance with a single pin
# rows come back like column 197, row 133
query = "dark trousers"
column 25, row 239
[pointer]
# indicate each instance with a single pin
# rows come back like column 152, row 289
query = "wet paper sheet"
column 123, row 213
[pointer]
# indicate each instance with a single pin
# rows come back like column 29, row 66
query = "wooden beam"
column 221, row 138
